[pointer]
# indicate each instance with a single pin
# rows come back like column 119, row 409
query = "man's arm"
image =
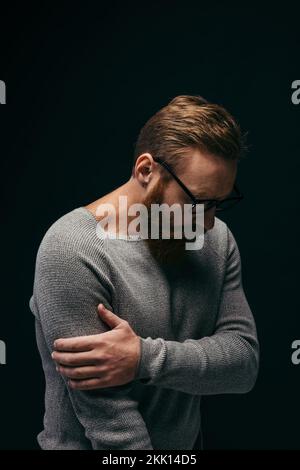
column 67, row 292
column 226, row 362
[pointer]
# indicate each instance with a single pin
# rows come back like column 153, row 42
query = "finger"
column 109, row 317
column 90, row 384
column 73, row 359
column 80, row 373
column 77, row 344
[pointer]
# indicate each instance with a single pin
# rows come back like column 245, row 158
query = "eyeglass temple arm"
column 186, row 190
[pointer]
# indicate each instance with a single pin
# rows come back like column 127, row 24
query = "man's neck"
column 129, row 190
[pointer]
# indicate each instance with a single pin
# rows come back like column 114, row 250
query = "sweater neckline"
column 119, row 237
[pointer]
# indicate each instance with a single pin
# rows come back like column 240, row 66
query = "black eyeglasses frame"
column 208, row 203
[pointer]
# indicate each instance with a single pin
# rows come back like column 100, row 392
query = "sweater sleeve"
column 67, row 290
column 226, row 362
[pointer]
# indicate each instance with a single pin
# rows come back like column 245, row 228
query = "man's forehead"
column 212, row 187
column 213, row 179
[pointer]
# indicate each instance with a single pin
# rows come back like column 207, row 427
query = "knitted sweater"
column 197, row 333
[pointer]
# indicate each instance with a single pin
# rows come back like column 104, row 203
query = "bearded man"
column 132, row 332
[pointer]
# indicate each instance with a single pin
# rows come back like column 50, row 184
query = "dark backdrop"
column 81, row 81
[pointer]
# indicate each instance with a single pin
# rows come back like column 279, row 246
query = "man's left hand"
column 97, row 361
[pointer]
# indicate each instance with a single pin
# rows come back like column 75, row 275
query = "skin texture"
column 111, row 358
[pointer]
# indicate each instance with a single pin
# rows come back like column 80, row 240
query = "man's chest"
column 174, row 304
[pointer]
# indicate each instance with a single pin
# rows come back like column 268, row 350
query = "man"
column 132, row 332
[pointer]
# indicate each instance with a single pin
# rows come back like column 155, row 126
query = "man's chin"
column 167, row 250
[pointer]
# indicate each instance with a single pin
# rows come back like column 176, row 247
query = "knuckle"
column 98, row 360
column 106, row 360
column 79, row 374
column 103, row 369
column 84, row 385
column 106, row 381
column 74, row 346
column 70, row 373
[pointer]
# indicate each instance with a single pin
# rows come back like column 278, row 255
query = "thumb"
column 109, row 317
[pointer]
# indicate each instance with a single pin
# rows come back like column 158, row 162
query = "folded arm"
column 226, row 362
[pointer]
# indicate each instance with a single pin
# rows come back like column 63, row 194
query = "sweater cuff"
column 152, row 357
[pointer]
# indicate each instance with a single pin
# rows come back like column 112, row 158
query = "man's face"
column 207, row 177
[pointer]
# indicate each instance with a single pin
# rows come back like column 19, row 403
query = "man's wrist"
column 141, row 371
column 152, row 356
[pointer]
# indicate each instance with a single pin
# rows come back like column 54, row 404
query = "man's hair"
column 190, row 122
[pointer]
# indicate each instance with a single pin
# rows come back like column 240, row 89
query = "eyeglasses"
column 220, row 205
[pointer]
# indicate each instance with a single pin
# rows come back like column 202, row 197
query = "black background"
column 81, row 81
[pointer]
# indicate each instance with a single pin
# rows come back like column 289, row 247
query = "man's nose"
column 209, row 218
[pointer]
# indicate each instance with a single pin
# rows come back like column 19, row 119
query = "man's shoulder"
column 71, row 234
column 218, row 238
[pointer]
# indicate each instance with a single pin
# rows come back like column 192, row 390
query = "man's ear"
column 144, row 169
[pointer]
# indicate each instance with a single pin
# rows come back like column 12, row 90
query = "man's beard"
column 166, row 251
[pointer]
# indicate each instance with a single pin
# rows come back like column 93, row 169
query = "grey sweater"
column 198, row 335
